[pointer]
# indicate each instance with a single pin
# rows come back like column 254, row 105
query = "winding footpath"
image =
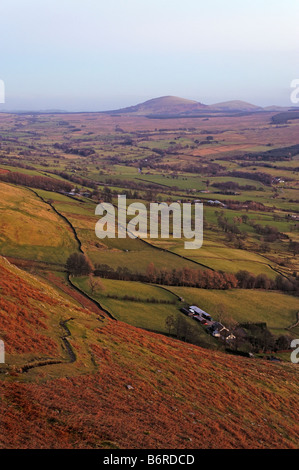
column 48, row 362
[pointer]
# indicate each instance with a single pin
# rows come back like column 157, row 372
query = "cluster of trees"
column 264, row 178
column 133, row 185
column 211, row 169
column 79, row 265
column 16, row 163
column 283, row 118
column 205, row 279
column 233, row 186
column 83, row 152
column 294, row 247
column 247, row 280
column 260, row 339
column 184, row 330
column 227, row 226
column 270, row 234
column 280, row 154
column 247, row 205
column 40, row 182
column 269, row 165
column 287, row 285
column 76, row 179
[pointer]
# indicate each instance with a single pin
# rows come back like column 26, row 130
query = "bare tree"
column 95, row 284
column 170, row 323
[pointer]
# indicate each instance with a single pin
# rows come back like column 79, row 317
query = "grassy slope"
column 30, row 229
column 87, row 403
column 276, row 309
column 142, row 313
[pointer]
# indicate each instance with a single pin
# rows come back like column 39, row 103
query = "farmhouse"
column 215, row 328
column 196, row 311
column 220, row 331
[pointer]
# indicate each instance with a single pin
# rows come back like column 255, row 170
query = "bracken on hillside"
column 129, row 388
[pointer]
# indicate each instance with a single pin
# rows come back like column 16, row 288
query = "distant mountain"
column 235, row 105
column 173, row 106
column 165, row 105
column 276, row 108
column 34, row 111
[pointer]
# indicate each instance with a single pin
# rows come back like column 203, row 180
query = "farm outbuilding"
column 198, row 311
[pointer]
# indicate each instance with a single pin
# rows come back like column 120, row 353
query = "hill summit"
column 235, row 105
column 164, row 105
column 174, row 106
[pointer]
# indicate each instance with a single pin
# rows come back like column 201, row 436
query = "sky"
column 94, row 55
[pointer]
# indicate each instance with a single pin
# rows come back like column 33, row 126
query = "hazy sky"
column 106, row 54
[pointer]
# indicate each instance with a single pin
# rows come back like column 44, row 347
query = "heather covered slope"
column 36, row 326
column 128, row 388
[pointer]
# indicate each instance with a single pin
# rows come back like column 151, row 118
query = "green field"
column 146, row 311
column 276, row 309
column 30, row 229
column 152, row 161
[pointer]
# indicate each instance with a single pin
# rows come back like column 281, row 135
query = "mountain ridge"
column 174, row 105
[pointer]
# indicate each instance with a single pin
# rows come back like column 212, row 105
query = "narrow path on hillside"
column 68, row 347
column 294, row 324
column 49, row 362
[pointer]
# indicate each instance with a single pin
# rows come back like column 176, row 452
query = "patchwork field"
column 143, row 305
column 98, row 353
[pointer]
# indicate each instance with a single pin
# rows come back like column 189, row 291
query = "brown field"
column 220, row 149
